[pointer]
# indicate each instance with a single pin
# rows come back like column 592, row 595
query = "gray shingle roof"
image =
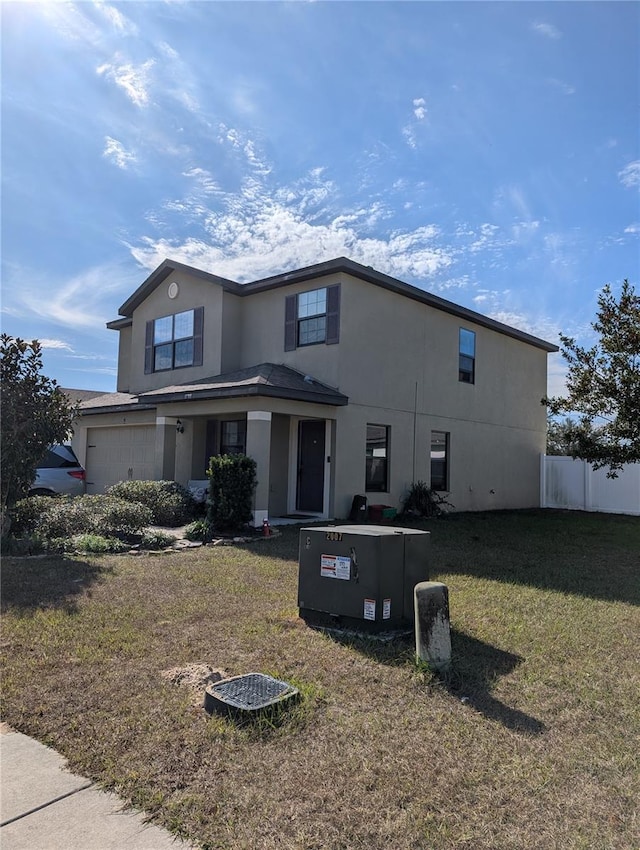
column 265, row 379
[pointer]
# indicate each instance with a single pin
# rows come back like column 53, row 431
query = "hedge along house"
column 338, row 380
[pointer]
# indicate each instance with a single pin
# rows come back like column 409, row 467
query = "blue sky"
column 485, row 151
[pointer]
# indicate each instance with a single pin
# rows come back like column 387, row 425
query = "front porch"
column 283, row 419
column 292, row 453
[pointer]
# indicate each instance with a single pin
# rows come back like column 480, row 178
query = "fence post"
column 588, row 475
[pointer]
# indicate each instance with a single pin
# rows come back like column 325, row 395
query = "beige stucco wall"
column 124, row 360
column 193, row 292
column 397, row 361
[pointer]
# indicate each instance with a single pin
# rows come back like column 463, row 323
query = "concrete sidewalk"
column 45, row 807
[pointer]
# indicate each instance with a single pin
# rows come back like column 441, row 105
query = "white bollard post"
column 433, row 631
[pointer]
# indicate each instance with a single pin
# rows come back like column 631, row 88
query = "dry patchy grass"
column 530, row 742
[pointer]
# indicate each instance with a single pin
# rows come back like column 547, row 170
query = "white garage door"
column 119, row 454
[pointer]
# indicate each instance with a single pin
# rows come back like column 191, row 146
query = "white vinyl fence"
column 573, row 485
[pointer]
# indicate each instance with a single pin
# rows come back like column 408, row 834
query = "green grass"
column 530, row 741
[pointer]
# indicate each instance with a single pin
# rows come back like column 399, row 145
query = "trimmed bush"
column 103, row 515
column 27, row 513
column 170, row 503
column 232, row 482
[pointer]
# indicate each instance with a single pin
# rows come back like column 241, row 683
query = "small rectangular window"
column 467, row 357
column 233, row 436
column 377, row 459
column 439, row 461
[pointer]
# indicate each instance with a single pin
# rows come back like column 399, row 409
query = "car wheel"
column 41, row 492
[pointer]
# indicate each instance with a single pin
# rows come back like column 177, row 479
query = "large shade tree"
column 603, row 384
column 35, row 414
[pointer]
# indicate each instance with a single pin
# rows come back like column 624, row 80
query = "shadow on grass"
column 50, row 582
column 582, row 554
column 475, row 668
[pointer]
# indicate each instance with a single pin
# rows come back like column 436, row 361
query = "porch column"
column 259, row 448
column 165, row 460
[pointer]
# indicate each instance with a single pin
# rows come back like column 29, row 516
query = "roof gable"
column 164, row 270
column 320, row 270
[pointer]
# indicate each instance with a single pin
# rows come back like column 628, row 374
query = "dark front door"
column 310, row 465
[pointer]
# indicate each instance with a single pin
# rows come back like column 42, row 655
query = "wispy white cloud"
column 55, row 344
column 420, row 108
column 409, row 131
column 114, row 16
column 546, row 29
column 410, row 136
column 561, row 86
column 630, row 174
column 69, row 20
column 83, row 302
column 633, row 228
column 556, row 374
column 133, row 80
column 203, row 179
column 258, row 233
column 523, row 231
column 116, row 153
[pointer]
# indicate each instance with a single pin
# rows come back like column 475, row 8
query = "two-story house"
column 338, row 380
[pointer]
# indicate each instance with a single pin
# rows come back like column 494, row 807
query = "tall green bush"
column 232, row 482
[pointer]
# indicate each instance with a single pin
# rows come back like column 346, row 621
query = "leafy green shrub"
column 422, row 501
column 103, row 515
column 232, row 481
column 170, row 503
column 156, row 539
column 31, row 544
column 27, row 513
column 95, row 544
column 198, row 530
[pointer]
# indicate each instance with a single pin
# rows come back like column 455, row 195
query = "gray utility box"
column 361, row 576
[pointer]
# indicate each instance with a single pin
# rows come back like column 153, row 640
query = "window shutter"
column 148, row 348
column 198, row 328
column 333, row 314
column 290, row 322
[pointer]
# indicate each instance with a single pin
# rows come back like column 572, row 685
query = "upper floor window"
column 312, row 317
column 175, row 341
column 467, row 357
column 377, row 465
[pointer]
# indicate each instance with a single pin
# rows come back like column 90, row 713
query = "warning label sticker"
column 386, row 609
column 369, row 609
column 335, row 566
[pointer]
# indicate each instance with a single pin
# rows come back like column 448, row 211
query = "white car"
column 59, row 473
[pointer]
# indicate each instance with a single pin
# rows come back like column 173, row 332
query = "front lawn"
column 530, row 742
